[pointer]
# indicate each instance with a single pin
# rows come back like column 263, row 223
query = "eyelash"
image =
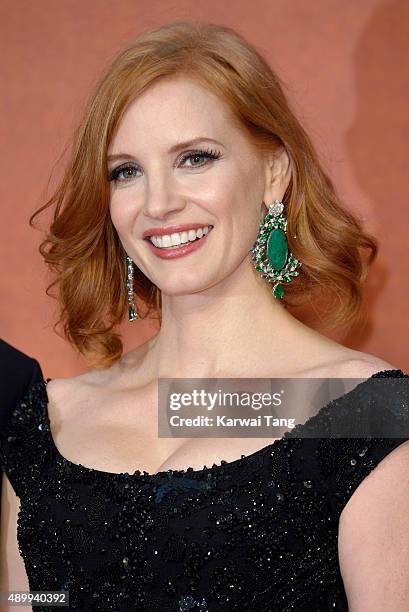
column 210, row 154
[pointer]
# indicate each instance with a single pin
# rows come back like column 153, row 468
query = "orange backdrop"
column 345, row 66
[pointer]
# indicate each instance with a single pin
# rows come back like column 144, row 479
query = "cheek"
column 241, row 202
column 244, row 215
column 121, row 213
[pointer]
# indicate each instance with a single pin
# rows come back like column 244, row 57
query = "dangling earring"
column 132, row 314
column 273, row 260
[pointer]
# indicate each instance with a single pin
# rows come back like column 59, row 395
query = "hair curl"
column 82, row 246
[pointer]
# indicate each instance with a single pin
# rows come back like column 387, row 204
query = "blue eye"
column 126, row 169
column 127, row 172
column 209, row 154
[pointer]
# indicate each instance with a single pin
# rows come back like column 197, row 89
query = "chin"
column 181, row 287
column 175, row 291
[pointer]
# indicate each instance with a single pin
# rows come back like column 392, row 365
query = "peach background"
column 345, row 65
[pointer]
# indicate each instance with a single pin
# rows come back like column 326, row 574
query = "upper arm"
column 13, row 574
column 374, row 538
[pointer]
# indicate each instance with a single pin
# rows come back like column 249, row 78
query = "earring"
column 273, row 260
column 132, row 314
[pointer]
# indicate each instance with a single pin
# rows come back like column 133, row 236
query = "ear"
column 277, row 175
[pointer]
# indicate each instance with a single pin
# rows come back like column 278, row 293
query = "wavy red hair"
column 82, row 246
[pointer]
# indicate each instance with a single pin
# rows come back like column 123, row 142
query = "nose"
column 162, row 201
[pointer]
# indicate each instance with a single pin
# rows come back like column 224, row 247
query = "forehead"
column 175, row 109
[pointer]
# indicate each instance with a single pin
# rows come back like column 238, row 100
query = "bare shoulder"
column 64, row 394
column 322, row 356
column 62, row 387
column 97, row 378
column 338, row 361
column 364, row 365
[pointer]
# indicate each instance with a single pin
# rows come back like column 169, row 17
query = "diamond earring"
column 273, row 259
column 132, row 314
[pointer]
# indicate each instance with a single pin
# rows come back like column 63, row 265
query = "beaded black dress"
column 258, row 534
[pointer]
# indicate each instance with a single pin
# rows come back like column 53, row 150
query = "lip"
column 181, row 251
column 171, row 229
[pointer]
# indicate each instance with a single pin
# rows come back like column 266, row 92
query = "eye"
column 127, row 172
column 200, row 153
column 123, row 173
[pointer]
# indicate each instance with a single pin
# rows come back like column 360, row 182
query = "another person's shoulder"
column 18, row 373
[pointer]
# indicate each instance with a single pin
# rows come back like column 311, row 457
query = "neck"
column 227, row 330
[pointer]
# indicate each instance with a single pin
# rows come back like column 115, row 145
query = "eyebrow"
column 176, row 147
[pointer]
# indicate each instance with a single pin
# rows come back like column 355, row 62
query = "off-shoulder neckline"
column 189, row 471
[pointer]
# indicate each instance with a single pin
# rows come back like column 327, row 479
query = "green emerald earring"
column 270, row 252
column 132, row 314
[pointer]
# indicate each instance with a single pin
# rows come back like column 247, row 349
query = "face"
column 158, row 185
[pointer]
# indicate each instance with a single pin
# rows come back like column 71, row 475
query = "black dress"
column 255, row 534
column 18, row 372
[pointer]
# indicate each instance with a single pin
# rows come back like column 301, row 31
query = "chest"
column 118, row 432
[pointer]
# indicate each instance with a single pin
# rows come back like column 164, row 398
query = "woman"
column 189, row 138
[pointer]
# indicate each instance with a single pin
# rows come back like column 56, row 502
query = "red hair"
column 82, row 246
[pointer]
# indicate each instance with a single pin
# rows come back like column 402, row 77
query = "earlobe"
column 263, row 211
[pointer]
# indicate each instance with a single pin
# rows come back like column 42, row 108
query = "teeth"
column 177, row 238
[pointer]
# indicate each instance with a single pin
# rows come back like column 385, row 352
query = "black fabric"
column 17, row 373
column 256, row 534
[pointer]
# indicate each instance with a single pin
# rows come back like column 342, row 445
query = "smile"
column 178, row 244
column 177, row 238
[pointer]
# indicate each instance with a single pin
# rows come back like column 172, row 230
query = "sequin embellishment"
column 256, row 534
